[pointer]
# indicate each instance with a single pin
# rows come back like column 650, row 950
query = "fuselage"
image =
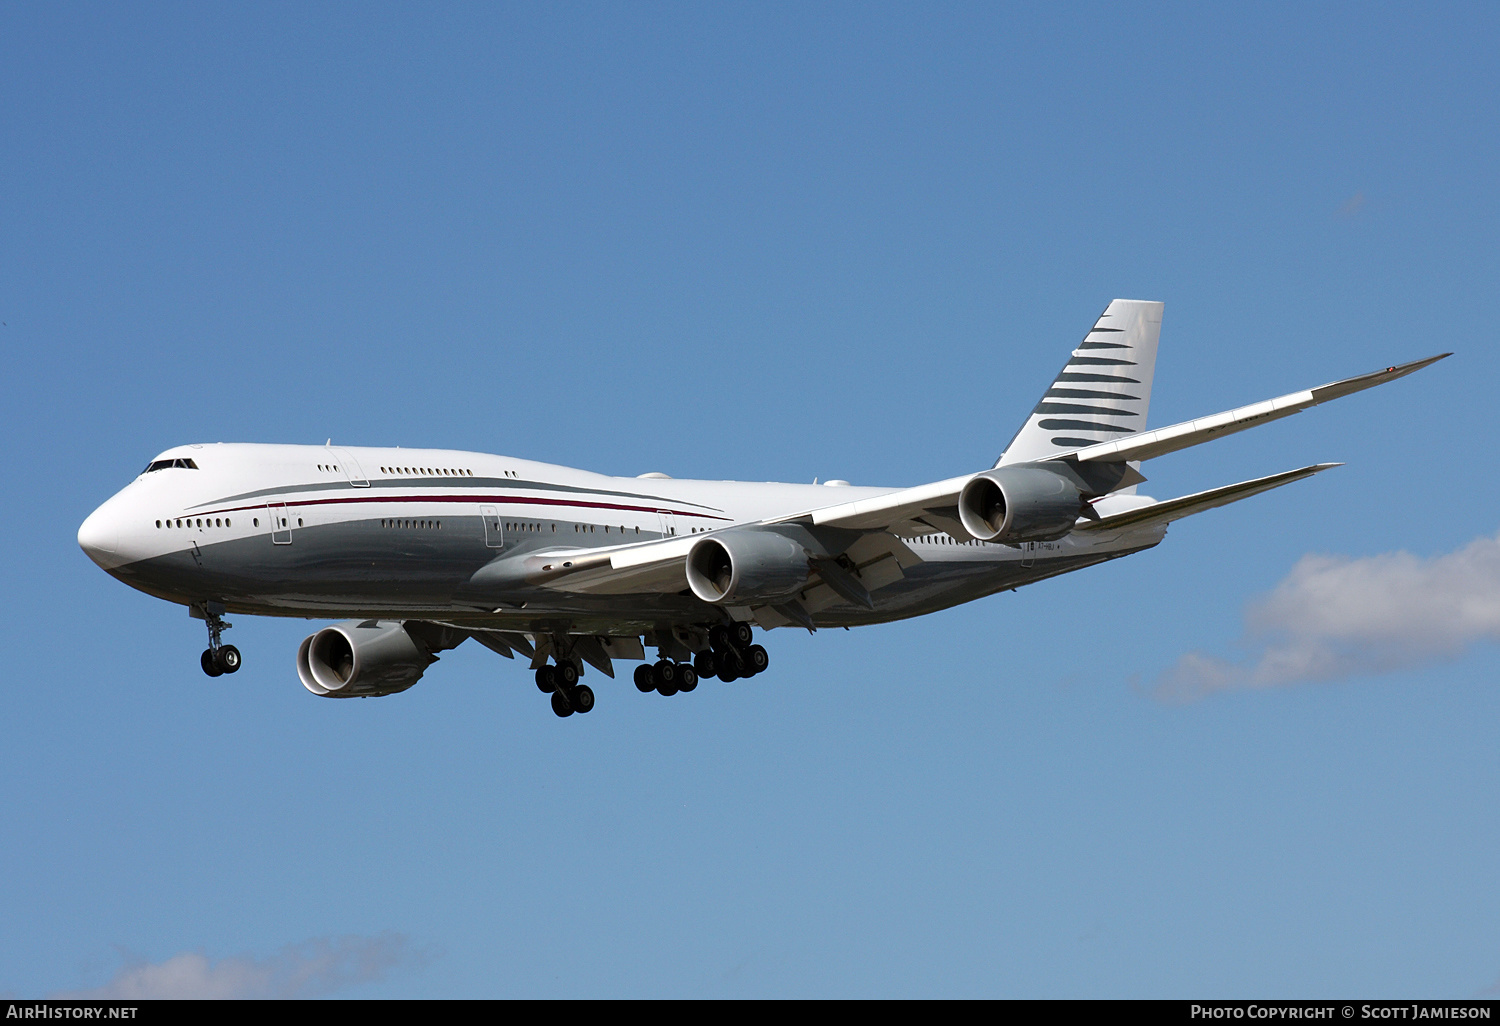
column 336, row 532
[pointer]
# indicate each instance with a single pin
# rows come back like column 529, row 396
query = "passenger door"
column 350, row 466
column 281, row 523
column 493, row 536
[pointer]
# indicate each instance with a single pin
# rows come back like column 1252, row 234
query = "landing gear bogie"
column 578, row 699
column 667, row 678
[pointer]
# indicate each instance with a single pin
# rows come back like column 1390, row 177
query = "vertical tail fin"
column 1103, row 391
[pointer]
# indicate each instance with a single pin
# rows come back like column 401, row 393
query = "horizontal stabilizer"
column 1149, row 444
column 1176, row 509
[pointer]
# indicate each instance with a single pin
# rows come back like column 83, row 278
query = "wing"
column 1149, row 444
column 911, row 511
column 1176, row 509
column 875, row 551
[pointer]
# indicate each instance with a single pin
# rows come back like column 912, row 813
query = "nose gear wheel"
column 218, row 658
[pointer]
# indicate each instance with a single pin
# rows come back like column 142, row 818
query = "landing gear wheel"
column 567, row 674
column 742, row 635
column 756, row 660
column 583, row 698
column 546, row 680
column 719, row 636
column 218, row 658
column 560, row 704
column 704, row 663
column 687, row 677
column 643, row 682
column 664, row 673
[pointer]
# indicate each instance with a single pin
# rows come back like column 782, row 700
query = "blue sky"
column 765, row 242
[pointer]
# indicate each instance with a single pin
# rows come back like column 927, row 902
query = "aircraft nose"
column 99, row 537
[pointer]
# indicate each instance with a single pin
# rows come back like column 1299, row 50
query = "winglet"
column 1335, row 389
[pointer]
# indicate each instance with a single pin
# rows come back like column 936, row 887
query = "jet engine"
column 361, row 658
column 1019, row 504
column 746, row 566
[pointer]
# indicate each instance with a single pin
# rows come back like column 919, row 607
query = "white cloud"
column 309, row 969
column 1335, row 617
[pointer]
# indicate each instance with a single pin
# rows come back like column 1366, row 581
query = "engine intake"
column 735, row 567
column 361, row 658
column 1020, row 503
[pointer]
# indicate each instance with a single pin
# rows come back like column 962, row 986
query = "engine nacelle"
column 361, row 658
column 746, row 566
column 1018, row 504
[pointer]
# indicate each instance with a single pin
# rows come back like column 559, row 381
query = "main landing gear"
column 218, row 658
column 730, row 656
column 568, row 696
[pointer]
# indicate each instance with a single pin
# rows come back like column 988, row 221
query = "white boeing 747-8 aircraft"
column 419, row 550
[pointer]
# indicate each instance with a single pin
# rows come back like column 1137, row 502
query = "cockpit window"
column 168, row 464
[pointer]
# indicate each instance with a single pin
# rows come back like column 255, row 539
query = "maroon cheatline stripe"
column 498, row 500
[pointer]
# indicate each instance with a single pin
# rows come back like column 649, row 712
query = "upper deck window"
column 167, row 464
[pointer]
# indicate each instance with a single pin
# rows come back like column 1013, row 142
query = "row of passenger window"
column 210, row 522
column 196, row 522
column 515, row 526
column 426, row 471
column 593, row 528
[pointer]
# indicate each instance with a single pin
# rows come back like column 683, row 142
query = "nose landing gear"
column 218, row 658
